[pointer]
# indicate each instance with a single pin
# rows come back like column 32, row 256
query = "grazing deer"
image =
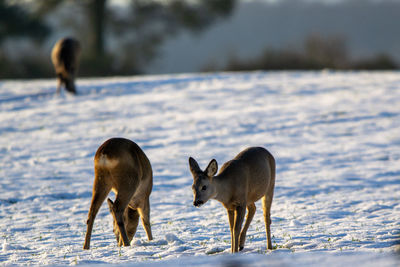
column 240, row 182
column 65, row 57
column 120, row 165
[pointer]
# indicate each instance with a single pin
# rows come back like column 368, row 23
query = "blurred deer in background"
column 242, row 181
column 121, row 165
column 65, row 57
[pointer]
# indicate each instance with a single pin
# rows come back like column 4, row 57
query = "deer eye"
column 204, row 188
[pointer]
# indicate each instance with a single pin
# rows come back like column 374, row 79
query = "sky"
column 253, row 27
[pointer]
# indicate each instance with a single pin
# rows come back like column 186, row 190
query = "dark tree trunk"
column 97, row 22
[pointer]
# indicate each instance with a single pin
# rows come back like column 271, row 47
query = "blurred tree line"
column 318, row 52
column 116, row 40
column 124, row 39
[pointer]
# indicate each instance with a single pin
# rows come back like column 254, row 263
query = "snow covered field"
column 335, row 137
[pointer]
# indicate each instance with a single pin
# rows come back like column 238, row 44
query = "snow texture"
column 335, row 137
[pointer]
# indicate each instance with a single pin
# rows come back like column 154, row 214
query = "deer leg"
column 251, row 210
column 58, row 86
column 239, row 217
column 145, row 216
column 100, row 192
column 266, row 204
column 231, row 217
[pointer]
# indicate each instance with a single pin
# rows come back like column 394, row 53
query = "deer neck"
column 219, row 190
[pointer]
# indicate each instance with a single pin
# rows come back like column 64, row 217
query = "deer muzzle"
column 198, row 203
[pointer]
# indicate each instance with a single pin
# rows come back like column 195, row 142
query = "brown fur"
column 250, row 176
column 120, row 165
column 65, row 57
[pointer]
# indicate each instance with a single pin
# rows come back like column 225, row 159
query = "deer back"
column 250, row 173
column 124, row 164
column 65, row 57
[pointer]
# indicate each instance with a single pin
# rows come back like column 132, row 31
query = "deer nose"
column 198, row 203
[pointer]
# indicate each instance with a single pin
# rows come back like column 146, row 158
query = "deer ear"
column 110, row 205
column 194, row 167
column 212, row 168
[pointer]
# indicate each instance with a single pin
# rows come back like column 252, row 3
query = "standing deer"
column 120, row 165
column 65, row 57
column 240, row 182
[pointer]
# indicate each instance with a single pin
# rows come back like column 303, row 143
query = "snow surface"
column 335, row 137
